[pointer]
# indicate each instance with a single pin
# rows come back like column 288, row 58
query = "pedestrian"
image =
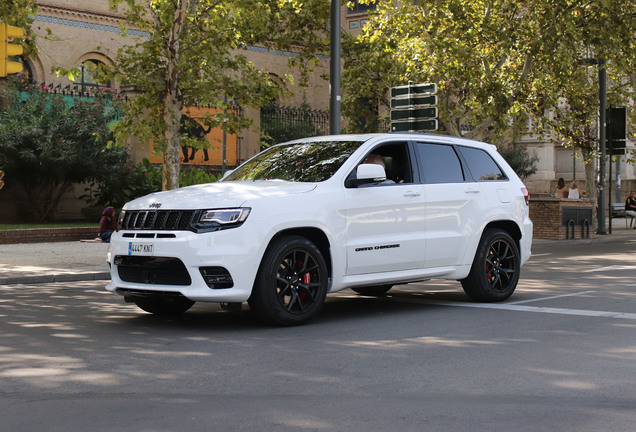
column 630, row 205
column 107, row 224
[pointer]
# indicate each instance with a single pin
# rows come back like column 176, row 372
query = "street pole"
column 334, row 69
column 602, row 97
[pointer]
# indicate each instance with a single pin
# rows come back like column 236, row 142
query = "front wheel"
column 495, row 270
column 291, row 283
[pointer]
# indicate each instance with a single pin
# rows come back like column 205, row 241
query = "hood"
column 217, row 195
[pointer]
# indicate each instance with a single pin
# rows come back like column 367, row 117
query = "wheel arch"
column 316, row 236
column 508, row 226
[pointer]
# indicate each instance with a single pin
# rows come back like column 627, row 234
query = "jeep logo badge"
column 155, row 205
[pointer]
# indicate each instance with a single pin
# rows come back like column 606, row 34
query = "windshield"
column 302, row 162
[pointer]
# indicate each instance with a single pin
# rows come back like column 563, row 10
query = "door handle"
column 412, row 194
column 472, row 191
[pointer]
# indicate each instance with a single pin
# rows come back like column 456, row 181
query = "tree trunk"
column 173, row 99
column 172, row 115
column 591, row 187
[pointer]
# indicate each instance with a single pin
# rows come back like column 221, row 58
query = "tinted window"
column 481, row 164
column 439, row 163
column 302, row 162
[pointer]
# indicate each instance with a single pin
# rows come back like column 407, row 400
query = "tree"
column 47, row 145
column 497, row 63
column 481, row 55
column 567, row 93
column 193, row 53
column 490, row 59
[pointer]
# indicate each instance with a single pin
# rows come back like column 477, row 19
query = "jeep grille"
column 174, row 220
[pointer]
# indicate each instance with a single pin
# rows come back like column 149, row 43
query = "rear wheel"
column 373, row 291
column 291, row 284
column 165, row 306
column 495, row 270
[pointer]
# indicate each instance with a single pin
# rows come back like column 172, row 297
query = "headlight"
column 120, row 221
column 215, row 219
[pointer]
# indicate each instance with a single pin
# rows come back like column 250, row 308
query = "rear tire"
column 291, row 283
column 495, row 270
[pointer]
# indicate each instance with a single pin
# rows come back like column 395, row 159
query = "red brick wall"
column 545, row 214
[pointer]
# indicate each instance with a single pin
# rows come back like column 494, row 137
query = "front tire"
column 291, row 283
column 495, row 270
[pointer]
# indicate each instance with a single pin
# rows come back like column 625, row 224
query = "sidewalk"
column 53, row 262
column 29, row 263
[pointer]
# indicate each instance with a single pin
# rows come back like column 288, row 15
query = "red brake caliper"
column 306, row 280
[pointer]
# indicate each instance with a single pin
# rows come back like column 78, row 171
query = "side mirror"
column 367, row 174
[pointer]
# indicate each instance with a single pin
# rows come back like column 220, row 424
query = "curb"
column 52, row 278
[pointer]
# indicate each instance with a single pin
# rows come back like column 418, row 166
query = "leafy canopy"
column 194, row 52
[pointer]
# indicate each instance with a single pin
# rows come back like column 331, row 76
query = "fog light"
column 216, row 277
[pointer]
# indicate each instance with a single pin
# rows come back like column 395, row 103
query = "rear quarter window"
column 481, row 165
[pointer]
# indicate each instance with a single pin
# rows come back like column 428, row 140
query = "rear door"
column 454, row 203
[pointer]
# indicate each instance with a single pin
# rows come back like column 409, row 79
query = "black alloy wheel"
column 495, row 270
column 291, row 284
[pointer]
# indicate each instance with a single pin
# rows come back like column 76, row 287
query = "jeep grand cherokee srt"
column 309, row 217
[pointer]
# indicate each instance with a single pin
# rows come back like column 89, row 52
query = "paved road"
column 560, row 355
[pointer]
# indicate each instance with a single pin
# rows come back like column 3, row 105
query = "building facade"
column 86, row 33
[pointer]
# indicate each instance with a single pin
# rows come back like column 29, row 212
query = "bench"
column 618, row 210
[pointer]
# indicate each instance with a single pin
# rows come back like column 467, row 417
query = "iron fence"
column 284, row 123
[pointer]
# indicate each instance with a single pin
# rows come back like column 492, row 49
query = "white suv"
column 314, row 216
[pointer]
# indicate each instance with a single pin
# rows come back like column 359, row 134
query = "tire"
column 373, row 291
column 291, row 283
column 165, row 306
column 495, row 270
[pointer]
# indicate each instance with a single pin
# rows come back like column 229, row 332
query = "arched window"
column 91, row 75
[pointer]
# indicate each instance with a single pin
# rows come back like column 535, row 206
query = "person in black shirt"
column 630, row 205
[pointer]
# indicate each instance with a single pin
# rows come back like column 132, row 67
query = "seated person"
column 107, row 224
column 574, row 192
column 377, row 160
column 561, row 191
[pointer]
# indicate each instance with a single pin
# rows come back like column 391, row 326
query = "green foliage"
column 193, row 53
column 519, row 159
column 47, row 145
column 124, row 183
column 192, row 176
column 130, row 181
column 497, row 64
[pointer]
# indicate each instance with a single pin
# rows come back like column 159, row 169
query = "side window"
column 438, row 163
column 481, row 164
column 394, row 157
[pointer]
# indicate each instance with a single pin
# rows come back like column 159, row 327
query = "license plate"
column 140, row 248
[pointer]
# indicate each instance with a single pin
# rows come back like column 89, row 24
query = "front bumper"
column 216, row 267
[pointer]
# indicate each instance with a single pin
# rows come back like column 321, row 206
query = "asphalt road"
column 560, row 355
